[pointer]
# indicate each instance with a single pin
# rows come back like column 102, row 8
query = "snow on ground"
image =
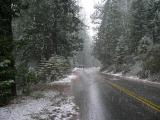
column 130, row 77
column 22, row 110
column 92, row 69
column 87, row 70
column 65, row 81
column 75, row 69
column 42, row 105
column 52, row 106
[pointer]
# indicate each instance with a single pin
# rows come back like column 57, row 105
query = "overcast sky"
column 88, row 9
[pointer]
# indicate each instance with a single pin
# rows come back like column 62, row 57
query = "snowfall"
column 43, row 105
column 52, row 104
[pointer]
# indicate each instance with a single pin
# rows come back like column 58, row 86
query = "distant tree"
column 138, row 24
column 110, row 30
column 50, row 27
column 129, row 35
column 46, row 29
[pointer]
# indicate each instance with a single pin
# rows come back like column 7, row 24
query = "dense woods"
column 38, row 40
column 128, row 38
column 41, row 41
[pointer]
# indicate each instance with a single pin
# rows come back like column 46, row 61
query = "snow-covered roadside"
column 92, row 69
column 65, row 81
column 86, row 70
column 42, row 105
column 135, row 78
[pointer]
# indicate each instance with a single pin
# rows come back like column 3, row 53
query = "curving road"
column 105, row 97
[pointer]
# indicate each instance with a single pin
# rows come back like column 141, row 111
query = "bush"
column 55, row 68
column 30, row 80
column 25, row 78
column 155, row 77
column 5, row 91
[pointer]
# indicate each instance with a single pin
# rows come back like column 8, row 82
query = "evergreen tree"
column 109, row 32
column 46, row 29
column 50, row 31
column 138, row 24
column 129, row 36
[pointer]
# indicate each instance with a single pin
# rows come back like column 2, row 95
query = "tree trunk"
column 6, row 44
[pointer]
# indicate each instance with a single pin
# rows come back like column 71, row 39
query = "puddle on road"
column 96, row 110
column 88, row 96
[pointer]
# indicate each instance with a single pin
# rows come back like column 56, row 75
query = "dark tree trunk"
column 6, row 44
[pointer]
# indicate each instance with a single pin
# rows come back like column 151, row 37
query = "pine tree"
column 138, row 24
column 46, row 29
column 50, row 31
column 110, row 30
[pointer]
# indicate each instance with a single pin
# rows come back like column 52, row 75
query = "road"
column 105, row 97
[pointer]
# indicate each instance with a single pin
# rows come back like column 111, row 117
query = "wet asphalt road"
column 104, row 97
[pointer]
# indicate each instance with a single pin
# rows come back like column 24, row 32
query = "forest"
column 38, row 39
column 79, row 59
column 128, row 38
